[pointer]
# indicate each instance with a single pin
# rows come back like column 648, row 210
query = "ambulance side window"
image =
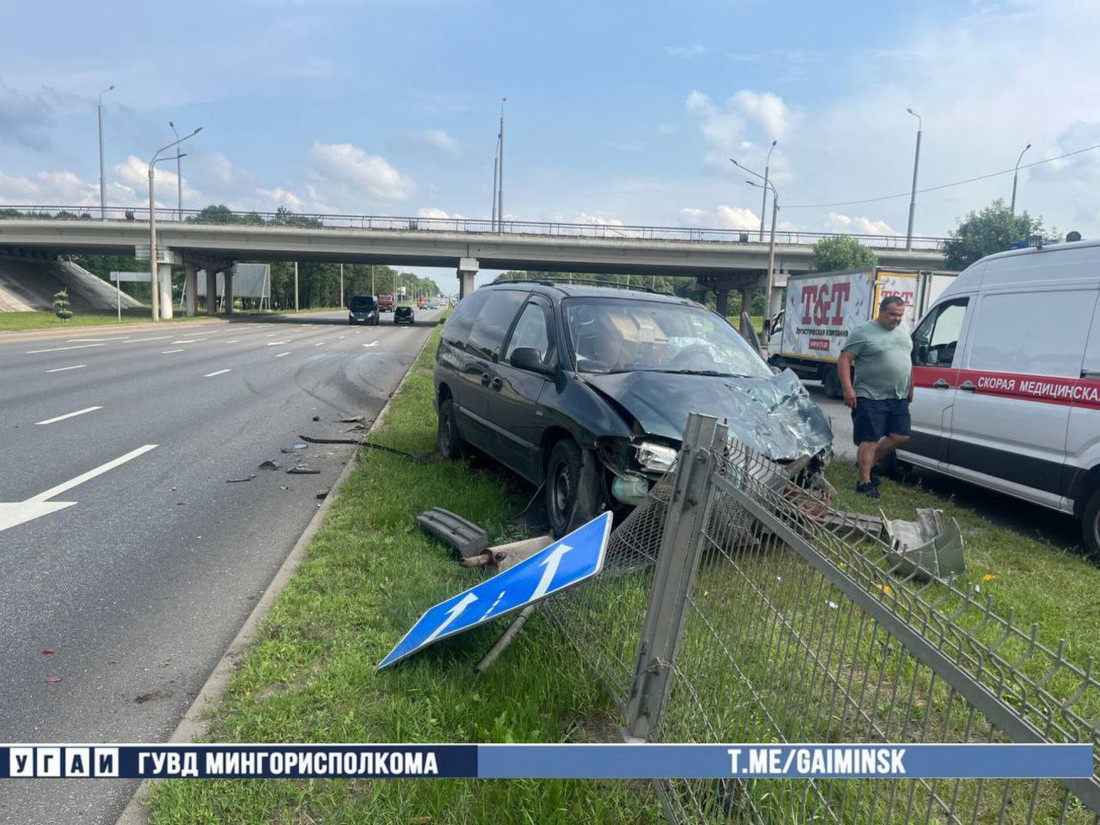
column 935, row 340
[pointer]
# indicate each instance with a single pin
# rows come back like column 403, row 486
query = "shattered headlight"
column 655, row 458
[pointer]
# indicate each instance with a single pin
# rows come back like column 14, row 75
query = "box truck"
column 821, row 308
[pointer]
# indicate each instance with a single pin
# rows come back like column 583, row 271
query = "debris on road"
column 296, row 448
column 323, row 493
column 358, row 419
column 52, row 680
column 302, row 470
column 926, row 548
column 239, row 480
column 463, row 535
column 269, row 465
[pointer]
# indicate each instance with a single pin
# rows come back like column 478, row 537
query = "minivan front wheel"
column 450, row 442
column 1090, row 524
column 563, row 476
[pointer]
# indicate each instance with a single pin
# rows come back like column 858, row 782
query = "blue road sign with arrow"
column 566, row 562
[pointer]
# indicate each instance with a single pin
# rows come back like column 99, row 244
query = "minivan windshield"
column 362, row 302
column 629, row 335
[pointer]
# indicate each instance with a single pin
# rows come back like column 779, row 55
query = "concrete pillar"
column 211, row 292
column 164, row 279
column 722, row 301
column 227, row 301
column 467, row 272
column 190, row 289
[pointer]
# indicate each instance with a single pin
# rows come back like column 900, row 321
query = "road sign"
column 566, row 562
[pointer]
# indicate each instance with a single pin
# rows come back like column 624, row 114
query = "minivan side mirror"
column 528, row 358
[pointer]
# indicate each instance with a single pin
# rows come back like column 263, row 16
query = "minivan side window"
column 935, row 340
column 458, row 326
column 531, row 331
column 1039, row 333
column 487, row 337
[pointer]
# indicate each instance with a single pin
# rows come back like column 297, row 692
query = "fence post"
column 674, row 577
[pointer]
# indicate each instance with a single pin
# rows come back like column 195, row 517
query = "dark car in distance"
column 587, row 390
column 403, row 315
column 363, row 309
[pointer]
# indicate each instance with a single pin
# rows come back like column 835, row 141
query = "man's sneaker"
column 868, row 489
column 875, row 478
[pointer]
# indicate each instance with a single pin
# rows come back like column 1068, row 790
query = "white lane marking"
column 85, row 340
column 100, row 470
column 139, row 340
column 270, row 335
column 371, row 344
column 59, row 349
column 281, row 354
column 67, row 415
column 212, row 374
column 184, row 342
column 319, row 344
column 234, row 341
column 170, row 351
column 63, row 369
column 340, row 337
column 277, row 343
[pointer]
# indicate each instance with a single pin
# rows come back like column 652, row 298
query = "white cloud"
column 685, row 52
column 343, row 177
column 441, row 141
column 133, row 176
column 583, row 217
column 721, row 217
column 857, row 225
column 430, row 212
column 272, row 199
column 727, row 129
column 48, row 189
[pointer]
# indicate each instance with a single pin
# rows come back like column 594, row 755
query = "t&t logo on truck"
column 823, row 304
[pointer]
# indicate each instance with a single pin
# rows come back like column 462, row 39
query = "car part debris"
column 302, row 470
column 370, row 444
column 269, row 465
column 926, row 548
column 506, row 638
column 239, row 480
column 357, row 419
column 321, row 494
column 295, row 449
column 451, row 529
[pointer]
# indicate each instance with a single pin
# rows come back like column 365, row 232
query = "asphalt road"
column 141, row 583
column 1029, row 519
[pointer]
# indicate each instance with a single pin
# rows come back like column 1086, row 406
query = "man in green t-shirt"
column 881, row 350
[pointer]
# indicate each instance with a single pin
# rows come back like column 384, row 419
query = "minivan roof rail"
column 580, row 282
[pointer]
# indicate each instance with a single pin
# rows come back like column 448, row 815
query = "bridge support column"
column 227, row 301
column 467, row 272
column 722, row 301
column 164, row 283
column 211, row 291
column 190, row 289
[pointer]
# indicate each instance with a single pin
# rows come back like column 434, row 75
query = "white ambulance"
column 1006, row 370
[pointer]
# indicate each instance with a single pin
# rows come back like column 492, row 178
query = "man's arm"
column 844, row 373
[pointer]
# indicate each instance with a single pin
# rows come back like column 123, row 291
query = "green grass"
column 26, row 321
column 369, row 574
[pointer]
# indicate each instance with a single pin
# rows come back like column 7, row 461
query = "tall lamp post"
column 913, row 196
column 179, row 178
column 764, row 202
column 767, row 186
column 1015, row 172
column 153, row 222
column 102, row 183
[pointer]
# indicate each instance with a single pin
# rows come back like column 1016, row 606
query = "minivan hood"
column 773, row 416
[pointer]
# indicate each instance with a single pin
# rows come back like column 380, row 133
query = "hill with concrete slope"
column 29, row 285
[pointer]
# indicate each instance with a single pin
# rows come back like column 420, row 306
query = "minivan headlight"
column 656, row 458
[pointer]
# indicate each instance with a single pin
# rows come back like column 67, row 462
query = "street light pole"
column 1015, row 172
column 913, row 196
column 153, row 224
column 500, row 171
column 766, row 186
column 764, row 202
column 102, row 182
column 179, row 178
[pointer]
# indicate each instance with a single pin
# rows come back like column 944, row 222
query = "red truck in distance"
column 386, row 303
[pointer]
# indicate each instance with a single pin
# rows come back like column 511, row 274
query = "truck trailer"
column 821, row 308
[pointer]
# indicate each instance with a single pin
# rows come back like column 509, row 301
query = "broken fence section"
column 728, row 613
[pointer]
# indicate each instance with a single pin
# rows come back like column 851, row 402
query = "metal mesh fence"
column 801, row 627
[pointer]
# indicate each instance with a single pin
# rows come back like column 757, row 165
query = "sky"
column 616, row 112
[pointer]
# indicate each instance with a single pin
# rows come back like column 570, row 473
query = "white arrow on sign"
column 551, row 563
column 13, row 513
column 452, row 614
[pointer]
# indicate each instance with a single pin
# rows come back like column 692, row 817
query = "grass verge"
column 311, row 676
column 26, row 321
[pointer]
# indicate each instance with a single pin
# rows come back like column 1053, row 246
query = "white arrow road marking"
column 371, row 344
column 551, row 563
column 66, row 415
column 60, row 349
column 17, row 512
column 63, row 369
column 493, row 606
column 453, row 614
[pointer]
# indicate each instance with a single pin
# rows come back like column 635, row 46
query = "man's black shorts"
column 872, row 419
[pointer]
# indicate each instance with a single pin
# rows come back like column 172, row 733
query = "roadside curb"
column 193, row 725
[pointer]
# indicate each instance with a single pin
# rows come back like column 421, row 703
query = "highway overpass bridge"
column 722, row 260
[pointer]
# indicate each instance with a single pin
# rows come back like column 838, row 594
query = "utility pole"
column 295, row 286
column 500, row 167
column 341, row 285
column 372, row 279
column 102, row 183
column 913, row 197
column 764, row 202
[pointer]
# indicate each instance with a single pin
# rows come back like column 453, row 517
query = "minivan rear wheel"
column 450, row 442
column 563, row 475
column 1090, row 524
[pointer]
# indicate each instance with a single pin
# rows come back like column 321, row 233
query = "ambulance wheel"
column 1090, row 524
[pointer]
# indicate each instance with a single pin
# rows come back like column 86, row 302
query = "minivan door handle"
column 485, row 379
column 968, row 386
column 496, row 383
column 941, row 384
